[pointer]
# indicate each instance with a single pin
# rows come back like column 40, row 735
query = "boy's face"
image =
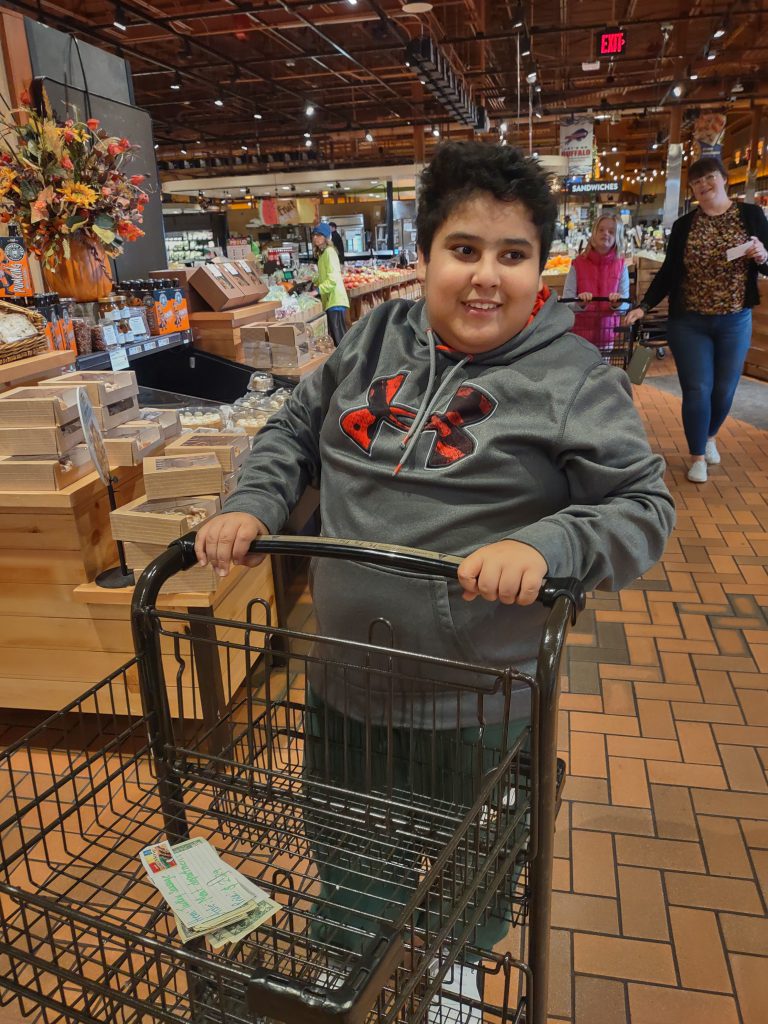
column 482, row 276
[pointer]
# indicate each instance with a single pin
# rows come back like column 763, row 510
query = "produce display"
column 558, row 264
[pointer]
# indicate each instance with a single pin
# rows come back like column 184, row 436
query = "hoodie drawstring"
column 428, row 402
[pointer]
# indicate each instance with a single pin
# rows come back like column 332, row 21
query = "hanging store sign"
column 580, row 187
column 273, row 212
column 576, row 144
column 708, row 133
column 611, row 42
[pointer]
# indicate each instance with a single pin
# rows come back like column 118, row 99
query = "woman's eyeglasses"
column 707, row 179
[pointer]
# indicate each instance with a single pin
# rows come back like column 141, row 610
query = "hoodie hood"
column 551, row 320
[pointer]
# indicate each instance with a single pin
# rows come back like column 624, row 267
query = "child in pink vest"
column 600, row 270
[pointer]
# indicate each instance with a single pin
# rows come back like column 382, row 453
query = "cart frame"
column 262, row 988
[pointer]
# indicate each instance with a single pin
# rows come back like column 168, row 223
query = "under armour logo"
column 452, row 442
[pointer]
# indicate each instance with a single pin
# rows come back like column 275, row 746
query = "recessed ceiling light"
column 257, row 117
column 218, row 103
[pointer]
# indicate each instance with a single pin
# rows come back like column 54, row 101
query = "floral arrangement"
column 64, row 182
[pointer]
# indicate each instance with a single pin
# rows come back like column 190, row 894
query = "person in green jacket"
column 330, row 283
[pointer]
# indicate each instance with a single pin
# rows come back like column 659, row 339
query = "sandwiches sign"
column 576, row 143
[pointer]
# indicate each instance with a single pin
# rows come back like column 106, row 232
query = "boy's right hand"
column 225, row 539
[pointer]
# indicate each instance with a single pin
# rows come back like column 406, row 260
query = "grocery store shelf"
column 136, row 350
column 34, row 368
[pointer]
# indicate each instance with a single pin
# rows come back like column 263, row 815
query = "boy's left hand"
column 507, row 571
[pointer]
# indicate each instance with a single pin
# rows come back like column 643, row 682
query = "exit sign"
column 611, row 43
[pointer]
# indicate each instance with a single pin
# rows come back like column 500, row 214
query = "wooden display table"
column 757, row 358
column 219, row 333
column 28, row 371
column 648, row 265
column 363, row 299
column 59, row 632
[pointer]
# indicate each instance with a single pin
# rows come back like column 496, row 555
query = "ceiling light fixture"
column 244, row 149
column 308, row 143
column 369, row 135
column 176, row 83
column 711, row 55
column 531, row 77
column 436, row 73
column 677, row 90
column 525, row 47
column 307, row 135
column 538, row 114
column 436, row 132
column 119, row 21
column 614, row 149
column 693, row 75
column 258, row 117
column 218, row 102
column 309, row 110
column 719, row 31
column 183, row 152
column 503, row 127
column 518, row 20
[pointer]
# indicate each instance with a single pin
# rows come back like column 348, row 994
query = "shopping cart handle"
column 598, row 298
column 390, row 555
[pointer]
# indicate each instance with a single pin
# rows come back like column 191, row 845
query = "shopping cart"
column 628, row 347
column 386, row 868
column 602, row 326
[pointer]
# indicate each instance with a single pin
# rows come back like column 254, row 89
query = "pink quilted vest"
column 599, row 275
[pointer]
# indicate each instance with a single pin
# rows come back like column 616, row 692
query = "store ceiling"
column 228, row 82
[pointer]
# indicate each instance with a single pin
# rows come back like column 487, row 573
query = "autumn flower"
column 66, row 163
column 77, row 194
column 93, row 123
column 128, row 231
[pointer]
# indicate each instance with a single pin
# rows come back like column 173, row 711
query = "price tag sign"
column 134, row 350
column 118, row 357
column 164, row 342
column 93, row 436
column 150, row 346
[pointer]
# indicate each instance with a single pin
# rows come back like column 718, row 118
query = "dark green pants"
column 366, row 882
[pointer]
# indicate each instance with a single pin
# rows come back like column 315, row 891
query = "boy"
column 470, row 422
column 330, row 283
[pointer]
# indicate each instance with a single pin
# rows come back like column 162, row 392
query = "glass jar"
column 107, row 309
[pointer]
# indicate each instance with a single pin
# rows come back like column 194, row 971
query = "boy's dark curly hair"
column 460, row 170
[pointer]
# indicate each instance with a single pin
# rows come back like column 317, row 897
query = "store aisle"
column 662, row 843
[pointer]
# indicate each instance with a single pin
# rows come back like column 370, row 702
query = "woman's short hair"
column 706, row 165
column 619, row 227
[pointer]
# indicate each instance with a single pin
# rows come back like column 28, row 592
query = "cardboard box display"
column 130, row 443
column 182, row 476
column 198, row 579
column 291, row 355
column 38, row 407
column 166, row 419
column 104, row 388
column 318, row 328
column 44, row 472
column 52, row 440
column 288, row 334
column 256, row 333
column 144, row 521
column 218, row 289
column 251, row 287
column 229, row 448
column 257, row 354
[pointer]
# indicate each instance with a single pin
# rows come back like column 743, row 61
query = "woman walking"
column 714, row 255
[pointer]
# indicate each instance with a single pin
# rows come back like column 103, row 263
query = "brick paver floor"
column 659, row 914
column 662, row 841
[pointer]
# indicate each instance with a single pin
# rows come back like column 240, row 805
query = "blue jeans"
column 709, row 352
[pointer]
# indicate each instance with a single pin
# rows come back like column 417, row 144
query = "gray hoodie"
column 537, row 441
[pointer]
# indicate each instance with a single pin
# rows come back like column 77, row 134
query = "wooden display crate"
column 52, row 440
column 38, row 407
column 130, row 443
column 219, row 333
column 183, row 476
column 229, row 449
column 160, row 522
column 202, row 578
column 166, row 419
column 104, row 388
column 42, row 472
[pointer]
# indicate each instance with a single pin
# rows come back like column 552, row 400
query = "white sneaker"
column 711, row 454
column 697, row 474
column 464, row 983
